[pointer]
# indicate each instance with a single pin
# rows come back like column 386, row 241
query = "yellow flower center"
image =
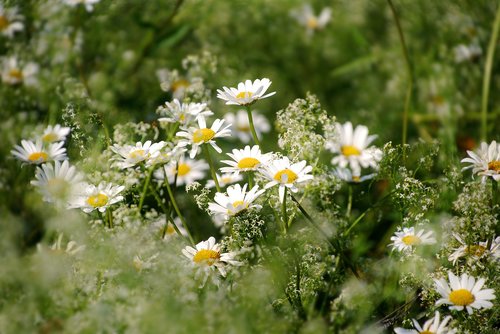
column 16, row 74
column 312, row 23
column 183, row 169
column 137, row 154
column 248, row 163
column 50, row 137
column 179, row 84
column 182, row 118
column 426, row 332
column 476, row 250
column 411, row 240
column 206, row 256
column 38, row 157
column 285, row 176
column 356, row 179
column 4, row 23
column 243, row 128
column 203, row 135
column 98, row 200
column 242, row 95
column 461, row 297
column 349, row 150
column 237, row 203
column 494, row 165
column 170, row 229
column 226, row 179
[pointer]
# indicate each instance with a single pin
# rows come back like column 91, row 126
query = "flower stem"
column 109, row 215
column 212, row 169
column 176, row 208
column 349, row 202
column 250, row 179
column 252, row 128
column 284, row 214
column 166, row 211
column 145, row 188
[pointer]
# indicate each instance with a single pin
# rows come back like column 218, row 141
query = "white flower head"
column 55, row 133
column 246, row 160
column 431, row 326
column 182, row 113
column 405, row 240
column 237, row 200
column 14, row 73
column 169, row 231
column 224, row 179
column 56, row 181
column 247, row 93
column 166, row 154
column 306, row 17
column 241, row 126
column 89, row 4
column 207, row 255
column 345, row 174
column 88, row 197
column 467, row 52
column 132, row 155
column 464, row 292
column 485, row 161
column 187, row 170
column 10, row 21
column 36, row 153
column 197, row 136
column 285, row 174
column 172, row 81
column 475, row 251
column 352, row 148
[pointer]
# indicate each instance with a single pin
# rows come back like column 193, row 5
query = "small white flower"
column 352, row 148
column 88, row 197
column 132, row 155
column 207, row 255
column 475, row 251
column 224, row 180
column 141, row 264
column 89, row 4
column 241, row 126
column 236, row 200
column 36, row 153
column 55, row 133
column 246, row 93
column 10, row 21
column 56, row 182
column 172, row 81
column 309, row 20
column 464, row 292
column 431, row 326
column 14, row 74
column 485, row 161
column 187, row 170
column 467, row 52
column 408, row 238
column 197, row 136
column 246, row 160
column 71, row 247
column 167, row 154
column 346, row 175
column 182, row 113
column 286, row 175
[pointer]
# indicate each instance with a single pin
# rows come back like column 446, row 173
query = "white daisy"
column 169, row 232
column 408, row 238
column 172, row 81
column 236, row 200
column 182, row 113
column 352, row 148
column 464, row 292
column 10, row 21
column 89, row 4
column 141, row 264
column 132, row 155
column 245, row 160
column 309, row 20
column 475, row 251
column 225, row 179
column 166, row 155
column 241, row 126
column 188, row 171
column 286, row 175
column 197, row 136
column 56, row 182
column 36, row 153
column 485, row 161
column 207, row 255
column 346, row 175
column 55, row 133
column 246, row 93
column 88, row 197
column 431, row 326
column 13, row 73
column 467, row 52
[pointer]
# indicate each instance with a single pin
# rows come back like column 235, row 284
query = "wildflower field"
column 264, row 166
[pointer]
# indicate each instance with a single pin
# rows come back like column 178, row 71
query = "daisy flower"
column 55, row 133
column 132, row 155
column 89, row 4
column 169, row 231
column 236, row 200
column 346, row 175
column 352, row 148
column 475, row 251
column 464, row 292
column 406, row 239
column 197, row 136
column 36, row 153
column 225, row 179
column 431, row 326
column 286, row 175
column 182, row 113
column 172, row 81
column 247, row 93
column 88, row 197
column 241, row 126
column 309, row 20
column 9, row 21
column 207, row 255
column 467, row 52
column 485, row 161
column 13, row 73
column 55, row 181
column 246, row 160
column 187, row 170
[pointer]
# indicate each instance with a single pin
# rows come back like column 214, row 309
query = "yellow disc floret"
column 98, row 200
column 203, row 135
column 312, row 23
column 38, row 156
column 4, row 23
column 494, row 165
column 207, row 256
column 242, row 95
column 411, row 240
column 349, row 150
column 461, row 297
column 137, row 154
column 476, row 250
column 50, row 137
column 286, row 176
column 183, row 169
column 248, row 163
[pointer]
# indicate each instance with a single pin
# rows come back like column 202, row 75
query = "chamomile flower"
column 236, row 200
column 285, row 174
column 89, row 4
column 245, row 160
column 13, row 73
column 352, row 148
column 241, row 126
column 56, row 181
column 187, row 170
column 71, row 247
column 309, row 20
column 197, row 136
column 408, row 238
column 431, row 326
column 167, row 154
column 485, row 161
column 224, row 179
column 247, row 93
column 345, row 174
column 464, row 292
column 475, row 251
column 467, row 52
column 55, row 133
column 173, row 82
column 207, row 255
column 182, row 113
column 88, row 197
column 169, row 232
column 132, row 155
column 10, row 21
column 36, row 153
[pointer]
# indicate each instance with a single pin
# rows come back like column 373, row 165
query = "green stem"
column 176, row 208
column 349, row 202
column 356, row 222
column 252, row 128
column 487, row 75
column 166, row 211
column 494, row 193
column 250, row 179
column 212, row 168
column 109, row 215
column 145, row 188
column 284, row 214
